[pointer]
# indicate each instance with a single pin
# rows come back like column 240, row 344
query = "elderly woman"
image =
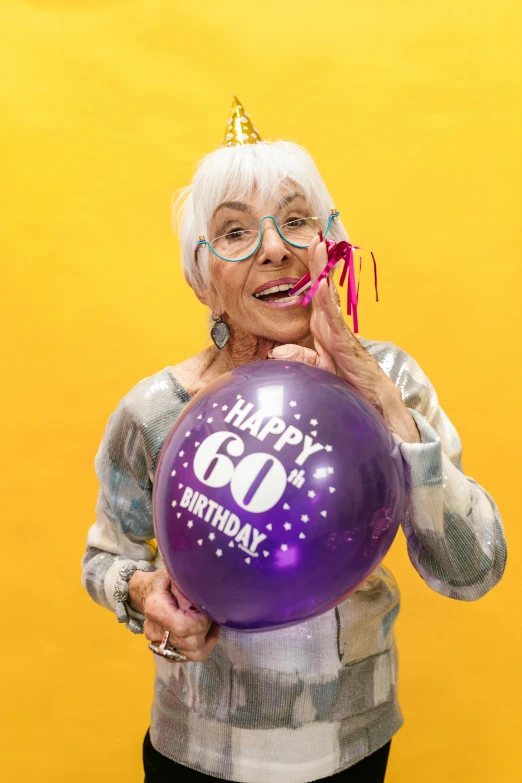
column 319, row 698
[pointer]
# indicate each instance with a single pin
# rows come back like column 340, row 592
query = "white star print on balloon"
column 293, row 404
column 305, row 518
column 328, row 448
column 287, row 526
column 311, row 494
column 219, row 552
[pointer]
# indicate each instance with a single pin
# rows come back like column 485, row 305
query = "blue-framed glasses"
column 242, row 240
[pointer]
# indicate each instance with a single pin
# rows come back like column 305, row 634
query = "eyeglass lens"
column 241, row 240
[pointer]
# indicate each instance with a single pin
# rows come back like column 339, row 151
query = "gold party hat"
column 239, row 127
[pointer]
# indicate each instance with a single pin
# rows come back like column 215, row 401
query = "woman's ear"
column 198, row 284
column 209, row 297
column 206, row 292
column 203, row 295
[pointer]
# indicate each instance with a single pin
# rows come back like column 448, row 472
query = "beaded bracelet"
column 124, row 612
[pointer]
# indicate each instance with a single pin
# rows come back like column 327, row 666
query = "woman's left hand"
column 340, row 352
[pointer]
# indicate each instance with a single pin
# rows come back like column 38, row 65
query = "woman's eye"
column 296, row 223
column 235, row 233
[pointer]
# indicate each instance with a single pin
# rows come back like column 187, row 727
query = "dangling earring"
column 220, row 332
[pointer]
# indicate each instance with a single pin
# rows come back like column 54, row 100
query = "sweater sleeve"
column 453, row 527
column 123, row 530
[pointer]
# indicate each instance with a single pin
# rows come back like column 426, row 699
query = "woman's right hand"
column 192, row 633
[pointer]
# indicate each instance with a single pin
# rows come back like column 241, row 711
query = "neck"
column 242, row 348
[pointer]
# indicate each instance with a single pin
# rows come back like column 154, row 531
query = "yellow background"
column 412, row 112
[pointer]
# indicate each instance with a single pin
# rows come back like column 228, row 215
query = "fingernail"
column 270, row 354
column 321, row 236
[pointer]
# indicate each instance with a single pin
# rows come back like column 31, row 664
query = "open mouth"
column 277, row 292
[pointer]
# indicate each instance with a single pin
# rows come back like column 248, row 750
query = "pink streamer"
column 341, row 251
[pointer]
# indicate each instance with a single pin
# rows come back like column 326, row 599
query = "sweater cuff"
column 110, row 579
column 424, row 460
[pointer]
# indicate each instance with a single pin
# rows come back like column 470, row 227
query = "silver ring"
column 166, row 651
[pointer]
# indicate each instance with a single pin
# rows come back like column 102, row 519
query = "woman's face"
column 239, row 289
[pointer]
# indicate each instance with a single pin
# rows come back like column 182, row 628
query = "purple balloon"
column 278, row 491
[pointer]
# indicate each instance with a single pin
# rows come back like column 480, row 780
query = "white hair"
column 236, row 172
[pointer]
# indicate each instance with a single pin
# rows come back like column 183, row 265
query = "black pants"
column 160, row 769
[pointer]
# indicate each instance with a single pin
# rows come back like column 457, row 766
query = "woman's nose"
column 273, row 249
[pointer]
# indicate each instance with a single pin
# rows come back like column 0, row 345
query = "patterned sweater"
column 304, row 702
